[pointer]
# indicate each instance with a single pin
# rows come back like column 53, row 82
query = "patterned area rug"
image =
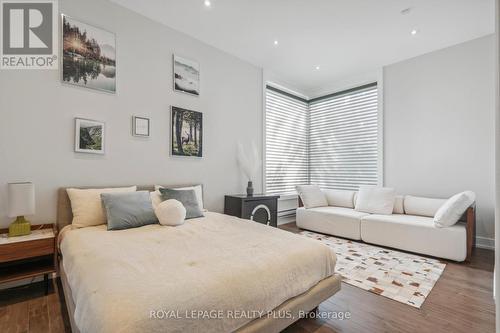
column 403, row 277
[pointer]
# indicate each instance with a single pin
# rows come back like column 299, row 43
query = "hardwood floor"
column 461, row 301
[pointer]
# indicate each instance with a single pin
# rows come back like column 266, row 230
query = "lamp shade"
column 21, row 199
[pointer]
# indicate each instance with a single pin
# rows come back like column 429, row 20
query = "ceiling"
column 344, row 38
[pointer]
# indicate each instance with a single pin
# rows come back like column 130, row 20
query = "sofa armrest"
column 470, row 226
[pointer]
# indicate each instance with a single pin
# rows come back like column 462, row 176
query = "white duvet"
column 212, row 274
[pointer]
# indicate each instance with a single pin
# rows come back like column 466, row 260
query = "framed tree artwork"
column 186, row 137
column 88, row 56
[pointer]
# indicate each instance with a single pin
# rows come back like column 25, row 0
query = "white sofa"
column 411, row 226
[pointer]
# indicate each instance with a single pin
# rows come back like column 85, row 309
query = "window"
column 286, row 142
column 331, row 141
column 343, row 141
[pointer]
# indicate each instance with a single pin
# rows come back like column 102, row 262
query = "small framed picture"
column 89, row 136
column 141, row 126
column 186, row 76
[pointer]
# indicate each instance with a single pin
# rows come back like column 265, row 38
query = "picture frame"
column 186, row 138
column 89, row 136
column 186, row 75
column 92, row 67
column 141, row 126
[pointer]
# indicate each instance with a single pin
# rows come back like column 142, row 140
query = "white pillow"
column 312, row 196
column 87, row 206
column 375, row 200
column 449, row 213
column 198, row 190
column 171, row 212
column 339, row 198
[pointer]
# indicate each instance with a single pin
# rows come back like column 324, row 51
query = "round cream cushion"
column 171, row 212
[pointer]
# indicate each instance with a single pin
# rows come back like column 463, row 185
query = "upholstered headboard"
column 65, row 214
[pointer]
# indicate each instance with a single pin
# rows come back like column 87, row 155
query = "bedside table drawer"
column 29, row 249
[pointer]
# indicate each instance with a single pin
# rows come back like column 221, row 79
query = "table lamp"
column 21, row 198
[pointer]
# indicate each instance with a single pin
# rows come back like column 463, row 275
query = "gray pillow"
column 128, row 210
column 187, row 198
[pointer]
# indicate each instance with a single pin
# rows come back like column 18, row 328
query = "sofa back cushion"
column 312, row 196
column 375, row 200
column 340, row 198
column 422, row 206
column 399, row 205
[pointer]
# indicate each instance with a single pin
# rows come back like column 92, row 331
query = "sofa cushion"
column 415, row 234
column 399, row 205
column 339, row 198
column 376, row 200
column 453, row 209
column 336, row 221
column 422, row 206
column 311, row 196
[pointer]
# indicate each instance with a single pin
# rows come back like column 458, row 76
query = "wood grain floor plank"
column 38, row 315
column 14, row 318
column 56, row 322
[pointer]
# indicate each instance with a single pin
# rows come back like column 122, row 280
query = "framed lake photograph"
column 89, row 136
column 88, row 56
column 186, row 76
column 186, row 133
column 141, row 126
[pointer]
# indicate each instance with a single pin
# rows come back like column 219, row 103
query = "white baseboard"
column 485, row 243
column 285, row 219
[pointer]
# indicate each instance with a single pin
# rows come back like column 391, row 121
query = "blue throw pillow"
column 128, row 210
column 187, row 198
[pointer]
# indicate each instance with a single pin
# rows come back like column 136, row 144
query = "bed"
column 217, row 273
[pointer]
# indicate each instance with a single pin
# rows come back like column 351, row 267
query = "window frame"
column 376, row 78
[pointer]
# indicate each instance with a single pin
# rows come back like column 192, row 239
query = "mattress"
column 212, row 274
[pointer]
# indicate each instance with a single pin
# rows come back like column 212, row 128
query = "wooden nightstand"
column 28, row 256
column 260, row 208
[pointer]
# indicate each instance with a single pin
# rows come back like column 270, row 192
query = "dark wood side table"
column 259, row 208
column 28, row 256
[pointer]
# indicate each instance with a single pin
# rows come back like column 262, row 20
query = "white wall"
column 37, row 112
column 439, row 124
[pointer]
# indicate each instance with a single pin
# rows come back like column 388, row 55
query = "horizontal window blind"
column 343, row 136
column 286, row 142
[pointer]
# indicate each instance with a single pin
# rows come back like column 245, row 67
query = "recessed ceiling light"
column 276, row 43
column 414, row 32
column 207, row 3
column 317, row 68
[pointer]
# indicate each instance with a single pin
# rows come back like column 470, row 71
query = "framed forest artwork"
column 186, row 137
column 89, row 56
